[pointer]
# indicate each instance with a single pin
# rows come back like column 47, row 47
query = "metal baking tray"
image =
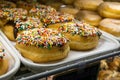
column 112, row 36
column 14, row 62
column 107, row 47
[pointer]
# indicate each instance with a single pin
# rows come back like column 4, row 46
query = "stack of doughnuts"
column 3, row 61
column 42, row 45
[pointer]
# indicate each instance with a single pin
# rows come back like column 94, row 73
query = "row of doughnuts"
column 50, row 33
column 95, row 13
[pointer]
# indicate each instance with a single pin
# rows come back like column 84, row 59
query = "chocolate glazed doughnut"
column 11, row 15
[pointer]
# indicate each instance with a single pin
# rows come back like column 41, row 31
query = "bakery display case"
column 60, row 39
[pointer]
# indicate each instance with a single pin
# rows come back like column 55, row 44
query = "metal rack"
column 76, row 64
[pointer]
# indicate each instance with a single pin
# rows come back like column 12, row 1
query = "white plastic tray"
column 106, row 44
column 14, row 62
column 112, row 36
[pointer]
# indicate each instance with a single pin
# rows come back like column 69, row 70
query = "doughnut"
column 3, row 61
column 42, row 45
column 41, row 10
column 68, row 10
column 11, row 30
column 87, row 5
column 10, row 14
column 25, row 5
column 111, row 26
column 108, row 75
column 68, row 1
column 49, row 16
column 109, row 10
column 54, row 4
column 115, row 64
column 7, row 4
column 56, row 19
column 90, row 17
column 82, row 36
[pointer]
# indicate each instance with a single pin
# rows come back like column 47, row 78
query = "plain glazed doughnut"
column 68, row 1
column 42, row 45
column 87, row 5
column 81, row 35
column 111, row 26
column 26, row 5
column 109, row 9
column 68, row 10
column 89, row 17
column 3, row 61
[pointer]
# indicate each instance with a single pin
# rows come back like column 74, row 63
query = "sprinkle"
column 49, row 15
column 79, row 28
column 12, row 13
column 42, row 38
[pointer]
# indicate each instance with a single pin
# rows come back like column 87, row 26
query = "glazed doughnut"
column 25, row 5
column 87, row 5
column 108, row 75
column 81, row 35
column 3, row 61
column 109, row 9
column 56, row 19
column 68, row 10
column 68, row 1
column 90, row 17
column 42, row 45
column 7, row 4
column 54, row 4
column 111, row 26
column 11, row 30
